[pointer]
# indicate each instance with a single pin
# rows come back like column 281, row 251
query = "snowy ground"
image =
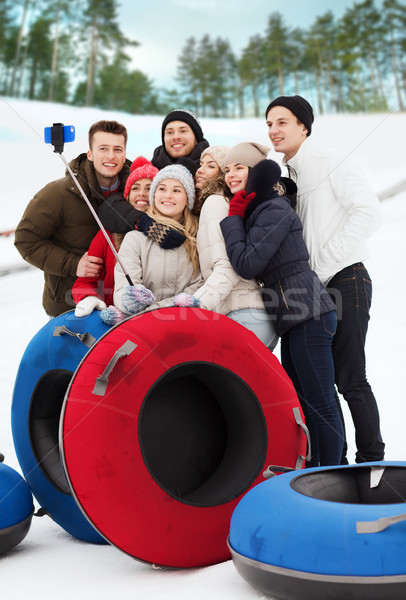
column 49, row 562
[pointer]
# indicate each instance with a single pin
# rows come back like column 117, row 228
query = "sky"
column 163, row 26
column 49, row 563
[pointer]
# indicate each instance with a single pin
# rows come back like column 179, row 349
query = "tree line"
column 73, row 51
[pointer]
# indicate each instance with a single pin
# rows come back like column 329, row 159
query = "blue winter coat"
column 268, row 245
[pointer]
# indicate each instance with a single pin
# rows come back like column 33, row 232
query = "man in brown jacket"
column 57, row 226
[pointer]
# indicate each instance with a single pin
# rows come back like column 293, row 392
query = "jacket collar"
column 295, row 163
column 84, row 170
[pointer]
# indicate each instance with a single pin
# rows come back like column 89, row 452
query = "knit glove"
column 136, row 298
column 88, row 305
column 163, row 235
column 239, row 203
column 112, row 315
column 186, row 300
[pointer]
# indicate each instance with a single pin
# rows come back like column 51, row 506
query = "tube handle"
column 301, row 423
column 380, row 524
column 86, row 339
column 271, row 470
column 102, row 381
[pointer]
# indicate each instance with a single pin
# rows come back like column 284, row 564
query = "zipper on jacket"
column 283, row 296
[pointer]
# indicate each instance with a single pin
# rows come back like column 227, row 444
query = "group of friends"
column 220, row 228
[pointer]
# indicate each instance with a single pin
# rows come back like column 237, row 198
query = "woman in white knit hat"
column 159, row 274
column 224, row 291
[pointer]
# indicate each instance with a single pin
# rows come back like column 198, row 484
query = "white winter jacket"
column 223, row 290
column 336, row 205
column 164, row 272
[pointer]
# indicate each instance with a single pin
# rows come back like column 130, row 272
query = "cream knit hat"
column 218, row 153
column 247, row 153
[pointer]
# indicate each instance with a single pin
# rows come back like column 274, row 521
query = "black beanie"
column 179, row 114
column 299, row 106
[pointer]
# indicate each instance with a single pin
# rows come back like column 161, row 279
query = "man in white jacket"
column 339, row 211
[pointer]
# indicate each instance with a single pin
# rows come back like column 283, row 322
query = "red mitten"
column 239, row 203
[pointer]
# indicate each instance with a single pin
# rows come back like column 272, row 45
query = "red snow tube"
column 171, row 417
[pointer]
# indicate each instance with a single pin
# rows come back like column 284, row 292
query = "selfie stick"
column 58, row 148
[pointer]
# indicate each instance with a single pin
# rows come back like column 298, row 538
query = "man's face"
column 179, row 139
column 285, row 131
column 107, row 155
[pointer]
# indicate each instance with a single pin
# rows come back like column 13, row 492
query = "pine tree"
column 251, row 69
column 276, row 47
column 394, row 18
column 21, row 30
column 39, row 48
column 100, row 19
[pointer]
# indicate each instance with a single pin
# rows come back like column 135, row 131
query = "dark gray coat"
column 268, row 245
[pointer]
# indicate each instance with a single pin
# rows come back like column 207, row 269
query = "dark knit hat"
column 298, row 106
column 141, row 168
column 179, row 114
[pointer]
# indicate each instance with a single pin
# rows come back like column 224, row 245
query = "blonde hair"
column 188, row 227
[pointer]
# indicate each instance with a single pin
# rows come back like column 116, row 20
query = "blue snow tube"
column 16, row 508
column 43, row 377
column 326, row 532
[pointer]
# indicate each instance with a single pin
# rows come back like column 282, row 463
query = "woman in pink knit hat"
column 90, row 293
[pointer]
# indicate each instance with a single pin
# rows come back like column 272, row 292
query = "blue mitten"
column 186, row 300
column 136, row 298
column 112, row 315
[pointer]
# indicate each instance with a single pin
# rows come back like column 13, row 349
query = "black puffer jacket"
column 268, row 245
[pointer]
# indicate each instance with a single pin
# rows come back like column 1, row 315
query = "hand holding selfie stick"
column 56, row 135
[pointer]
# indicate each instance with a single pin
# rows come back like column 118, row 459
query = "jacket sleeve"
column 88, row 286
column 130, row 256
column 117, row 214
column 194, row 285
column 223, row 277
column 251, row 251
column 33, row 236
column 355, row 195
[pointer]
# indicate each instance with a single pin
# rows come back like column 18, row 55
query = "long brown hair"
column 216, row 185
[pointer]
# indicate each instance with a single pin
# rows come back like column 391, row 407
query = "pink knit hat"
column 141, row 168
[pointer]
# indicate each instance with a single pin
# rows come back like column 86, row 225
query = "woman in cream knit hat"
column 224, row 291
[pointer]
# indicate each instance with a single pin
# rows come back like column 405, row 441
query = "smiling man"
column 57, row 226
column 182, row 137
column 339, row 212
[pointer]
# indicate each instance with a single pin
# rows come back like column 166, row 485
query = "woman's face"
column 208, row 170
column 171, row 198
column 236, row 177
column 139, row 194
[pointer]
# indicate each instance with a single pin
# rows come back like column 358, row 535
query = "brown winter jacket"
column 56, row 230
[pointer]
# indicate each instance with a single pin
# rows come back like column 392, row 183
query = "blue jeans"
column 307, row 358
column 258, row 322
column 351, row 289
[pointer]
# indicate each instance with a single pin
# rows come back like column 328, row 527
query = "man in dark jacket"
column 57, row 226
column 182, row 143
column 182, row 136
